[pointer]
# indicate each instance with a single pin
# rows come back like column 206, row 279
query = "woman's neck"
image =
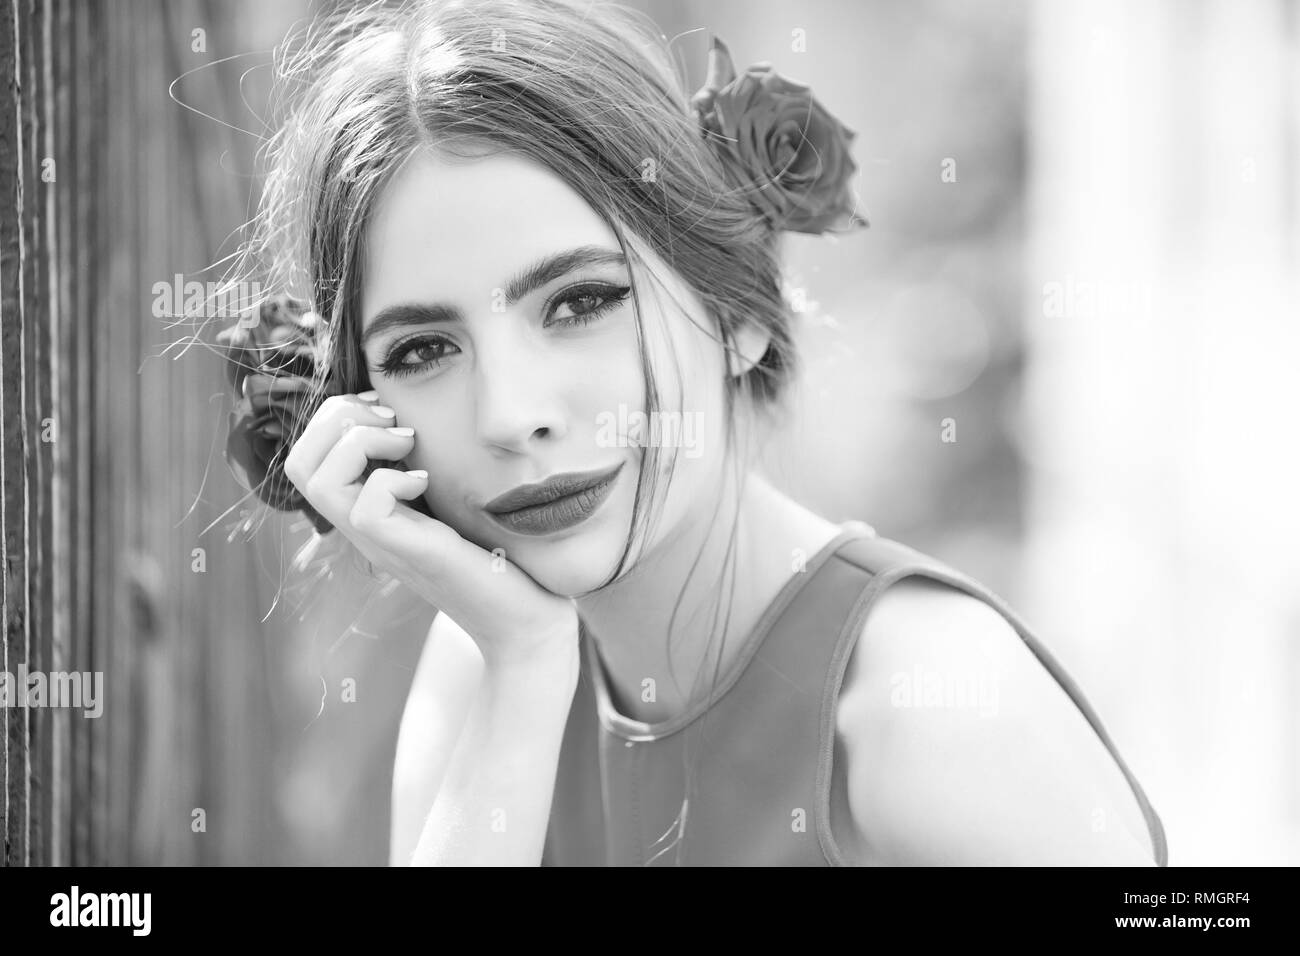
column 629, row 619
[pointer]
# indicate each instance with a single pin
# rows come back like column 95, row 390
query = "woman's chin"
column 562, row 571
column 570, row 564
column 564, row 585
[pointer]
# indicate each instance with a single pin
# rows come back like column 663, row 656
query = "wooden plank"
column 16, row 756
column 87, row 127
column 59, row 125
column 36, row 273
column 98, row 319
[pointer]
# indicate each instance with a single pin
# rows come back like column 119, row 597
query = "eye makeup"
column 588, row 301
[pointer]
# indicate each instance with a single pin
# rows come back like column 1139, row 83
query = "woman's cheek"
column 439, row 462
column 612, row 389
column 435, row 449
column 447, row 500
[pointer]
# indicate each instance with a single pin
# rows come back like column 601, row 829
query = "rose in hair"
column 781, row 145
column 272, row 366
column 282, row 339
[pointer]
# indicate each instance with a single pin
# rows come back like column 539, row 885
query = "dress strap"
column 890, row 561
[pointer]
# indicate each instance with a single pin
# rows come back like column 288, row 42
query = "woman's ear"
column 751, row 341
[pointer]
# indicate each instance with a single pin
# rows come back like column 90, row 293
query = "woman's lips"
column 559, row 504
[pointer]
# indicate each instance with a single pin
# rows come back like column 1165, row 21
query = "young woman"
column 546, row 340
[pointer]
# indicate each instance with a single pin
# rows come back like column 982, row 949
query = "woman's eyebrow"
column 519, row 285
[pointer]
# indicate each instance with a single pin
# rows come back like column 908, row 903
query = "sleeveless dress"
column 762, row 746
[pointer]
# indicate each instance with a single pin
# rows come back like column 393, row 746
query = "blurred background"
column 1061, row 359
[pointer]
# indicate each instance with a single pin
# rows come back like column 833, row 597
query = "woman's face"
column 497, row 322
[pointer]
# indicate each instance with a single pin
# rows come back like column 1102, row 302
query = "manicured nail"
column 369, row 396
column 383, row 411
column 420, row 473
column 406, row 431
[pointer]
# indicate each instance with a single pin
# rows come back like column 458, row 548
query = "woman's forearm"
column 442, row 693
column 494, row 801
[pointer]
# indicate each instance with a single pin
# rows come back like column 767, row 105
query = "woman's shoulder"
column 960, row 746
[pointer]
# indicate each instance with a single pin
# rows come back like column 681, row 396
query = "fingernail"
column 420, row 473
column 383, row 411
column 405, row 431
column 369, row 396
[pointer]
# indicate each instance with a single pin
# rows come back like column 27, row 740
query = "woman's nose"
column 517, row 400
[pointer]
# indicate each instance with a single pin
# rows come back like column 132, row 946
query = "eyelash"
column 610, row 296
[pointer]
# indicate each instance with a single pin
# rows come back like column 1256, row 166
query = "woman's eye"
column 414, row 355
column 585, row 304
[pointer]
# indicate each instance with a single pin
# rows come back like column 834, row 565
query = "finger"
column 443, row 558
column 334, row 488
column 450, row 572
column 335, row 417
column 381, row 516
column 379, row 498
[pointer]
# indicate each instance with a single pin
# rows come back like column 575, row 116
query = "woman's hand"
column 492, row 753
column 510, row 617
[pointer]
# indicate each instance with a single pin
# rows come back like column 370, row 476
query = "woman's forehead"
column 459, row 229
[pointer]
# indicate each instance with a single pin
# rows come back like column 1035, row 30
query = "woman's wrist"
column 550, row 651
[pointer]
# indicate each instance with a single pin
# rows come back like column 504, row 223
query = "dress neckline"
column 639, row 731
